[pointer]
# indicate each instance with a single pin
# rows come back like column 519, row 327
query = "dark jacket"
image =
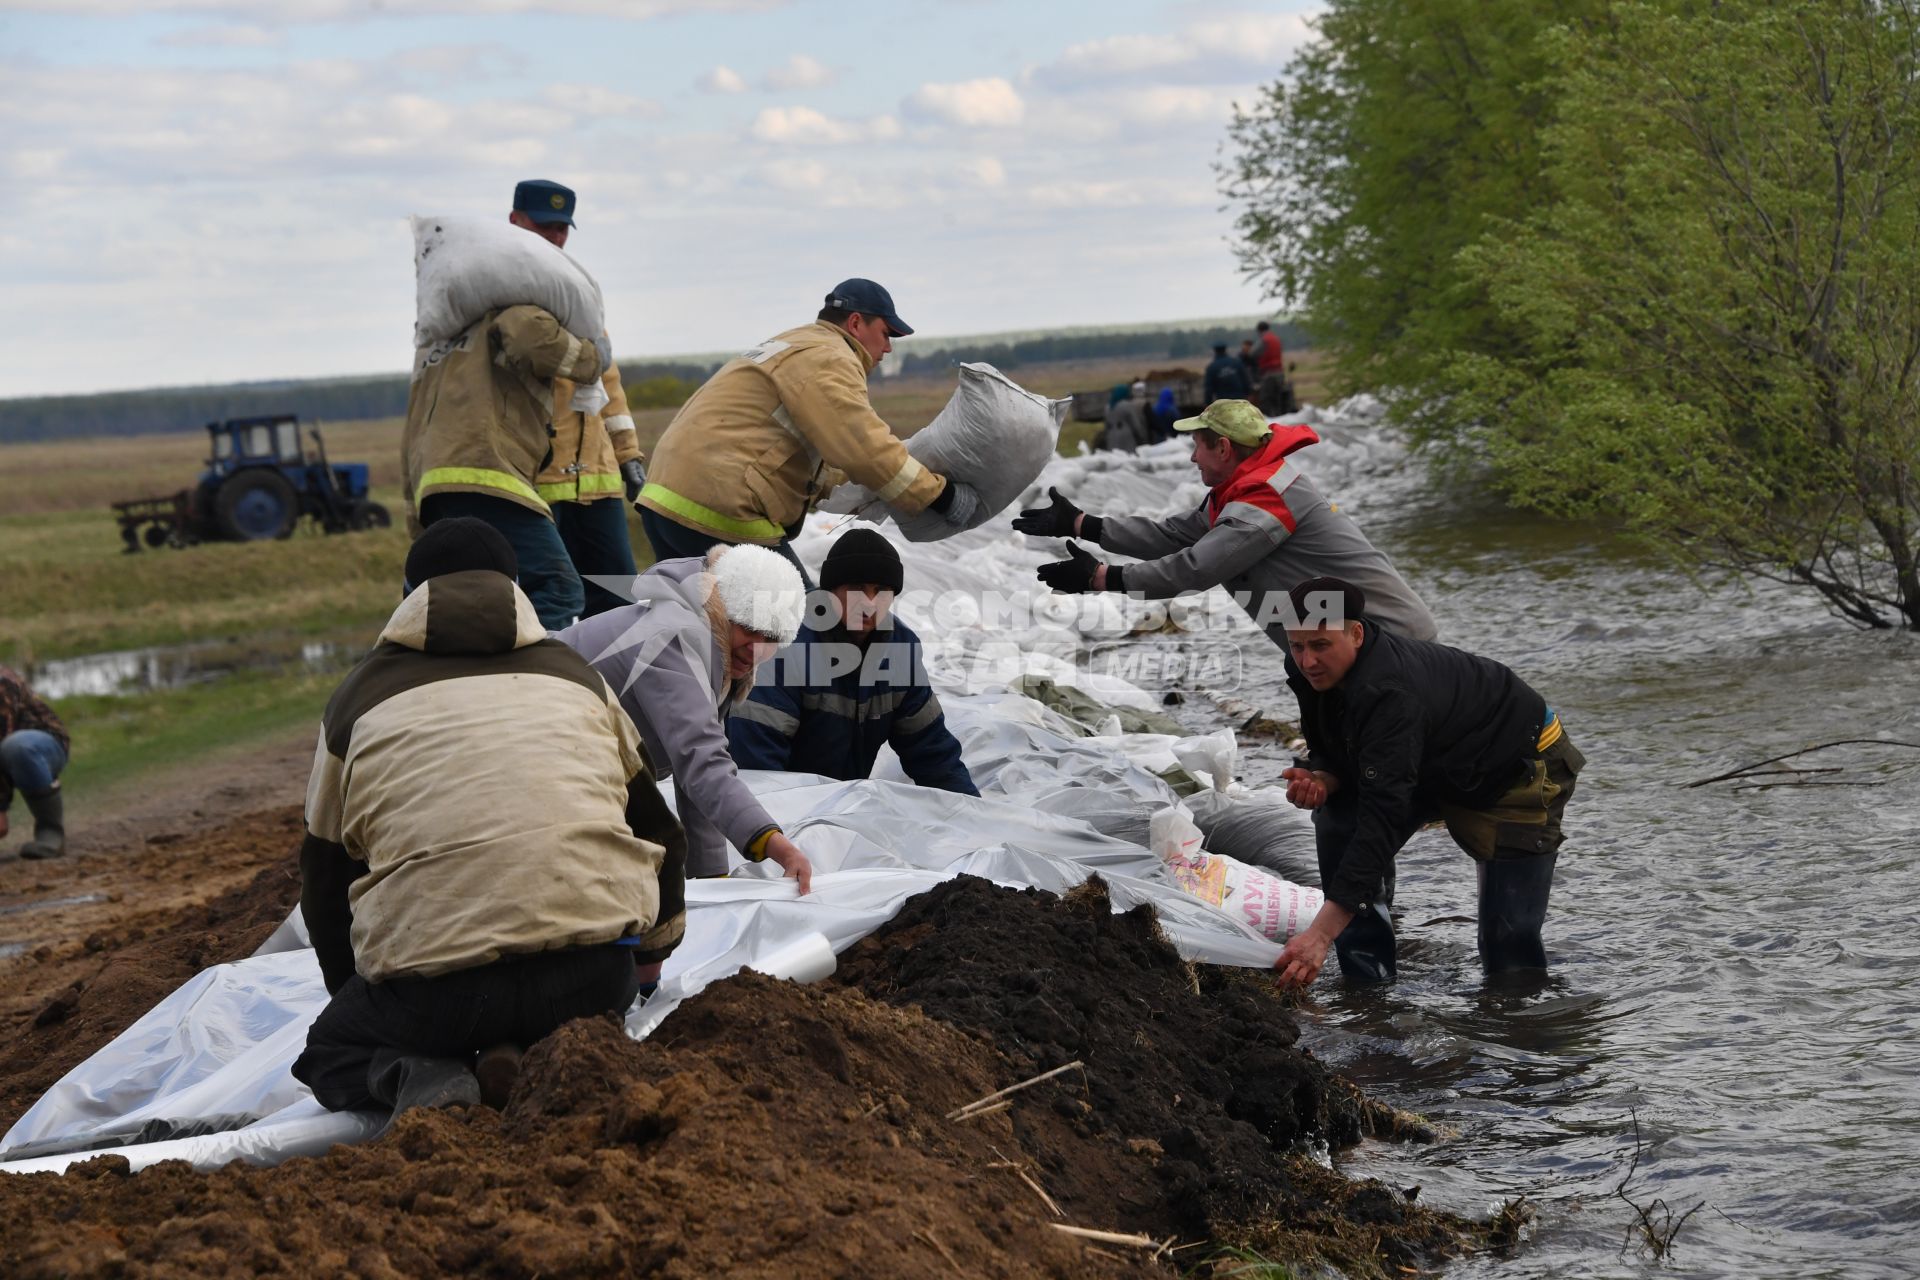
column 1414, row 726
column 1226, row 379
column 813, row 710
column 21, row 709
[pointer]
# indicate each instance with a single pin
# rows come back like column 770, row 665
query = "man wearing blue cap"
column 596, row 456
column 778, row 427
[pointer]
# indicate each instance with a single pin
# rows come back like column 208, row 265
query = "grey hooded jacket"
column 663, row 661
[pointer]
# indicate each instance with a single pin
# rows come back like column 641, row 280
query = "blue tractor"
column 259, row 482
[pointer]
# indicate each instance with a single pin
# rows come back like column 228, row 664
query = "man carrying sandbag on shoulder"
column 480, row 430
column 779, row 426
column 596, row 452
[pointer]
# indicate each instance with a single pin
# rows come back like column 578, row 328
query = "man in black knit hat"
column 851, row 683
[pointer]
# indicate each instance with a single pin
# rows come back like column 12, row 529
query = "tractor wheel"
column 371, row 515
column 255, row 504
column 157, row 535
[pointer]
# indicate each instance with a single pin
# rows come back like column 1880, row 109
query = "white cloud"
column 974, row 104
column 287, row 11
column 721, row 80
column 1225, row 46
column 789, row 174
column 601, row 103
column 985, row 171
column 806, row 127
column 797, row 73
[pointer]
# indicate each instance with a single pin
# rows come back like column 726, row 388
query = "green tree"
column 1387, row 146
column 1716, row 326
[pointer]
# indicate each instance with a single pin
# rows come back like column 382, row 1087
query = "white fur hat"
column 760, row 590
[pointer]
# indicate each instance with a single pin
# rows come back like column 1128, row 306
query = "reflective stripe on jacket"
column 772, row 430
column 480, row 409
column 826, row 705
column 588, row 448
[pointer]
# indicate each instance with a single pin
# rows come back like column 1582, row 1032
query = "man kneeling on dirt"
column 851, row 684
column 486, row 855
column 1263, row 528
column 1401, row 733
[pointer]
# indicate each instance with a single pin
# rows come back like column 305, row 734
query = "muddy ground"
column 766, row 1129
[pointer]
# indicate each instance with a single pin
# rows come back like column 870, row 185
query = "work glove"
column 633, row 473
column 962, row 505
column 1071, row 576
column 1055, row 521
column 605, row 348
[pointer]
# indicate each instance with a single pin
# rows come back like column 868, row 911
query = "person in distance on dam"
column 853, row 682
column 1263, row 529
column 1401, row 733
column 33, row 751
column 486, row 854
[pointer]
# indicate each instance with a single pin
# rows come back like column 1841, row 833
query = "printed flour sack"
column 464, row 267
column 1275, row 909
column 993, row 434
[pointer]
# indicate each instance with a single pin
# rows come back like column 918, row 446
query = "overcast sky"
column 217, row 190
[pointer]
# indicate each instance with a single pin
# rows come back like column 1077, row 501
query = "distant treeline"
column 1148, row 344
column 650, row 384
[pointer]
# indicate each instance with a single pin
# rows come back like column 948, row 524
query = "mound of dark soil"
column 1195, row 1066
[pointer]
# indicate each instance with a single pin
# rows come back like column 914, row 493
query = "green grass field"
column 71, row 590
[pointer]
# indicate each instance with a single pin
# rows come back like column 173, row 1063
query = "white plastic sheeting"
column 1056, row 808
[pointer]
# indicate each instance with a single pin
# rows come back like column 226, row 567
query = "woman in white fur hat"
column 678, row 659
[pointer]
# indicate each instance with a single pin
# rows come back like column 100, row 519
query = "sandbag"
column 993, row 434
column 464, row 267
column 1274, row 908
column 1259, row 828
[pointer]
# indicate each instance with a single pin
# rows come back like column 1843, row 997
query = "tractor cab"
column 255, row 442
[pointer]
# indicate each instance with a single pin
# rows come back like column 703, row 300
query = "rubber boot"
column 1366, row 947
column 405, row 1080
column 1513, row 907
column 49, row 825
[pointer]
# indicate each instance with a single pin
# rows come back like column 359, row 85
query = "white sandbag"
column 1275, row 909
column 1260, row 828
column 993, row 434
column 464, row 267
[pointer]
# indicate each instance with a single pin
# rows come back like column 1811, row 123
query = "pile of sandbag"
column 465, row 267
column 993, row 434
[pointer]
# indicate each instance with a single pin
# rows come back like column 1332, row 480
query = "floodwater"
column 1736, row 971
column 133, row 671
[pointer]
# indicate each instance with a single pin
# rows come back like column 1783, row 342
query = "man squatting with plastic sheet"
column 1263, row 529
column 479, row 433
column 852, row 683
column 596, row 456
column 679, row 659
column 778, row 427
column 486, row 855
column 1400, row 733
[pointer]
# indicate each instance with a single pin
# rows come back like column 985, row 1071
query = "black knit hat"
column 861, row 557
column 456, row 545
column 1350, row 607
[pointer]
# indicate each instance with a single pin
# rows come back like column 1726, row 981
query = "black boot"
column 1513, row 907
column 49, row 824
column 407, row 1080
column 1366, row 947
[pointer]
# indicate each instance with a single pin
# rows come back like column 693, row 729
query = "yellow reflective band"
column 479, row 477
column 902, row 480
column 668, row 500
column 592, row 484
column 1550, row 734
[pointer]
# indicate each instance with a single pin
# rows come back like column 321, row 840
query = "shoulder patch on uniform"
column 765, row 351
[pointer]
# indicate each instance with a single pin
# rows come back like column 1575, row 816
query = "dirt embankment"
column 776, row 1130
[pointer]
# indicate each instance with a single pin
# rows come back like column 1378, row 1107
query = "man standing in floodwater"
column 1401, row 733
column 1263, row 529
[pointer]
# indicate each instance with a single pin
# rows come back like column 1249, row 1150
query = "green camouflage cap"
column 1237, row 420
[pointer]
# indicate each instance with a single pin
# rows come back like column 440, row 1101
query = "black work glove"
column 1072, row 576
column 633, row 475
column 1055, row 521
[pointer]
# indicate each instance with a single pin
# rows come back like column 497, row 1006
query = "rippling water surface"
column 1737, row 968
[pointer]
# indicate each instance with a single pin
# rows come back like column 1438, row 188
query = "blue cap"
column 544, row 201
column 869, row 299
